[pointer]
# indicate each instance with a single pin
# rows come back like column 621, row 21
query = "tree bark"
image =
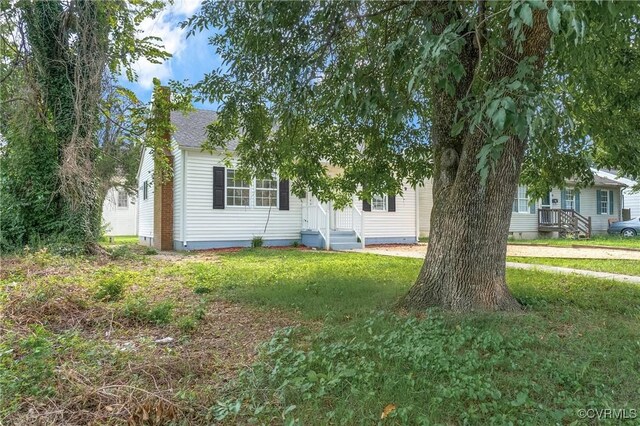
column 464, row 268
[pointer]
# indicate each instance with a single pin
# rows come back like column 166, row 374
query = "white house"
column 207, row 206
column 119, row 213
column 630, row 197
column 585, row 211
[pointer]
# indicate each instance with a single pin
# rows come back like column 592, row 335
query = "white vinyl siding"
column 425, row 203
column 401, row 223
column 145, row 206
column 240, row 223
column 118, row 220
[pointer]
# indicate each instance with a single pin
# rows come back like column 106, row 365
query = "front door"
column 546, row 202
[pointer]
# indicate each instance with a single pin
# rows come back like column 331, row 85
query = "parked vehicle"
column 626, row 228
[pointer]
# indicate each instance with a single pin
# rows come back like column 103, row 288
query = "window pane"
column 122, row 199
column 378, row 203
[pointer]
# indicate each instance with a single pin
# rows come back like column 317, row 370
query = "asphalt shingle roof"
column 191, row 128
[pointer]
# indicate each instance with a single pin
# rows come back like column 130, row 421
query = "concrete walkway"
column 517, row 250
column 419, row 251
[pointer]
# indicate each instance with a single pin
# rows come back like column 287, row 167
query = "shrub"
column 141, row 310
column 122, row 252
column 295, row 244
column 110, row 288
column 257, row 242
column 150, row 251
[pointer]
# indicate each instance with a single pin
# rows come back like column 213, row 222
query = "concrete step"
column 344, row 239
column 338, row 246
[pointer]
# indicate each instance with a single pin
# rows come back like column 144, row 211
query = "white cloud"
column 165, row 26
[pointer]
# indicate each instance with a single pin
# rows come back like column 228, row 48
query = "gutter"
column 417, row 210
column 183, row 206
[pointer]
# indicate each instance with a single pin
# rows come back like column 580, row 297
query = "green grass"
column 596, row 240
column 314, row 284
column 125, row 239
column 615, row 266
column 574, row 346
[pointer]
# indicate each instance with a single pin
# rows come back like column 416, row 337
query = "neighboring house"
column 119, row 213
column 207, row 206
column 586, row 211
column 630, row 197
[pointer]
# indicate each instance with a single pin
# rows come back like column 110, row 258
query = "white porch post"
column 361, row 226
column 327, row 243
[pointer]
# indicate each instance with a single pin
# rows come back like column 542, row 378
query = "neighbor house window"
column 123, row 199
column 145, row 190
column 521, row 201
column 237, row 190
column 266, row 192
column 570, row 199
column 604, row 202
column 379, row 203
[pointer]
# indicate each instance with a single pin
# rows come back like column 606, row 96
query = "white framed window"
column 145, row 190
column 238, row 190
column 570, row 199
column 266, row 193
column 123, row 199
column 521, row 201
column 379, row 203
column 604, row 202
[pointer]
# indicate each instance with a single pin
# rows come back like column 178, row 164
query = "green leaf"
column 553, row 18
column 526, row 14
column 501, row 140
column 499, row 118
column 457, row 128
column 538, row 4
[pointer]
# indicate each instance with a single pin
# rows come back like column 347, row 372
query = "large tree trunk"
column 464, row 268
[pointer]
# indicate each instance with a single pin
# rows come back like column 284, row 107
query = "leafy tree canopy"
column 360, row 85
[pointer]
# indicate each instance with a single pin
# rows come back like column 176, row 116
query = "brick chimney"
column 163, row 188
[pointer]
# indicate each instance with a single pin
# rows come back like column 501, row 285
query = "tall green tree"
column 64, row 122
column 465, row 92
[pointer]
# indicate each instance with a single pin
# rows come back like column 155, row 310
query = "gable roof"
column 600, row 181
column 191, row 128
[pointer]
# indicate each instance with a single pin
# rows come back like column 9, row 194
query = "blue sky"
column 192, row 57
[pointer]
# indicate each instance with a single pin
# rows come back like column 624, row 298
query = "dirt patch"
column 111, row 369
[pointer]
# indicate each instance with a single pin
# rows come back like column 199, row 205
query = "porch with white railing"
column 339, row 229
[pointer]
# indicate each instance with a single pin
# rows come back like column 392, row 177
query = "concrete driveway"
column 419, row 250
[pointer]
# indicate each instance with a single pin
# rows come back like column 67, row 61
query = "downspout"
column 417, row 210
column 183, row 206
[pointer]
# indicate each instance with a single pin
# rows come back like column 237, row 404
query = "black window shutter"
column 391, row 203
column 284, row 194
column 366, row 206
column 218, row 187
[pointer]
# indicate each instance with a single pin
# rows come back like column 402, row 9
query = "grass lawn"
column 596, row 240
column 616, row 266
column 79, row 343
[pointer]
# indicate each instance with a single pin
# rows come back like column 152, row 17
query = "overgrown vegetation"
column 84, row 332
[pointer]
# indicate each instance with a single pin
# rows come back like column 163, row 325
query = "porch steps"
column 344, row 240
